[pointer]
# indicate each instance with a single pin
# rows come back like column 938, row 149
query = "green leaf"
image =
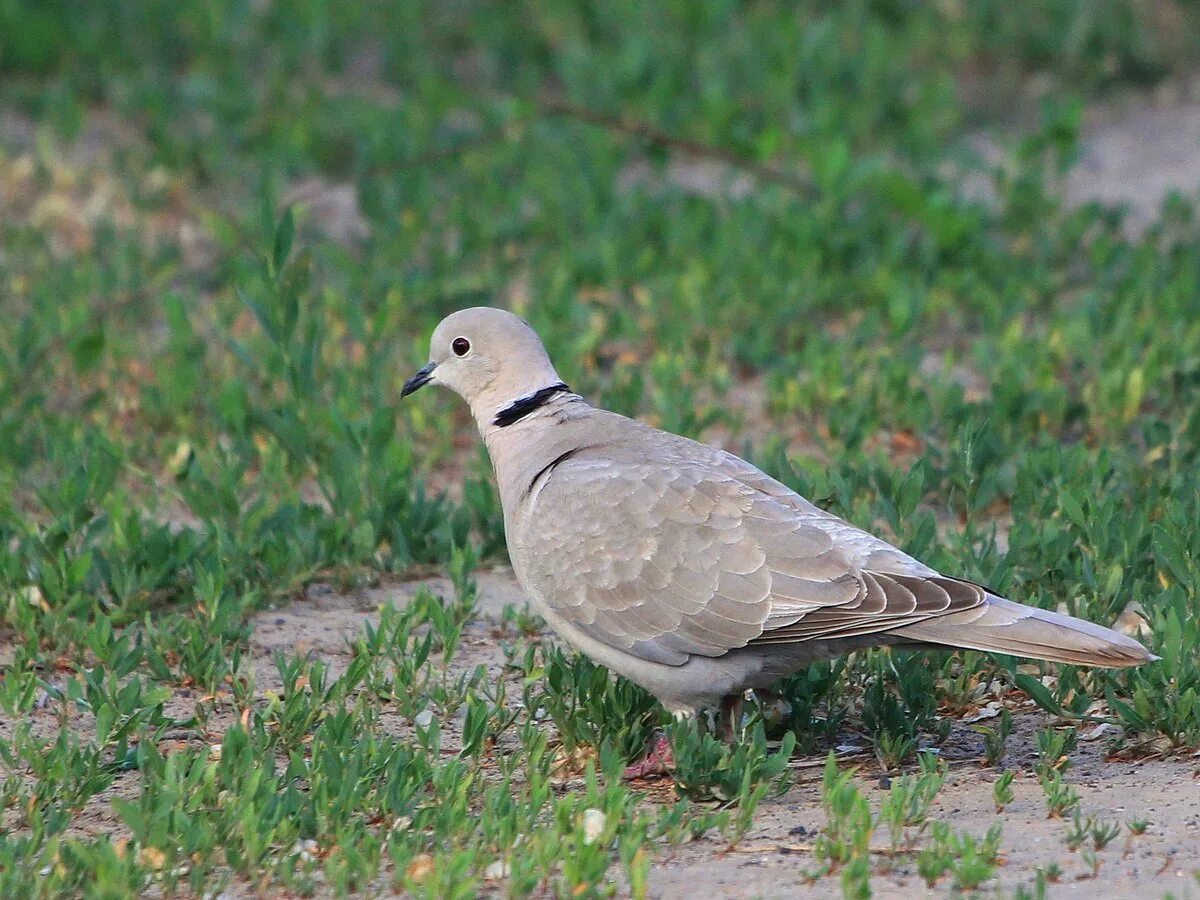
column 260, row 313
column 285, row 233
column 1171, row 554
column 132, row 816
column 1039, row 693
column 87, row 350
column 1072, row 508
column 1125, row 711
column 106, row 717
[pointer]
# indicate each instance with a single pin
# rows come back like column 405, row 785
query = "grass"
column 695, row 205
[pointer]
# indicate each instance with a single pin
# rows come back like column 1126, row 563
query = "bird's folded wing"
column 665, row 561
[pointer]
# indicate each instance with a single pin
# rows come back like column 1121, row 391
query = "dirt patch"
column 1134, row 152
column 329, row 210
column 1136, row 157
column 768, row 863
column 775, row 855
column 324, row 623
column 773, row 859
column 72, row 188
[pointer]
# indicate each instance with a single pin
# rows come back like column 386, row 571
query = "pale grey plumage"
column 685, row 568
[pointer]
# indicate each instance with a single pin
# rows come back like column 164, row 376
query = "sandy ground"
column 772, row 859
column 1136, row 155
column 775, row 856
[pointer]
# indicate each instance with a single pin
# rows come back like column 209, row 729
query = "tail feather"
column 1006, row 627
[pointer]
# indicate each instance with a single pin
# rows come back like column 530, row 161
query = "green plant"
column 1103, row 834
column 583, row 700
column 740, row 774
column 995, row 738
column 1037, row 892
column 849, row 825
column 1054, row 748
column 899, row 702
column 1061, row 798
column 970, row 861
column 910, row 798
column 1002, row 791
column 817, row 711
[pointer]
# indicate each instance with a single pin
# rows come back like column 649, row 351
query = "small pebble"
column 496, row 870
column 593, row 825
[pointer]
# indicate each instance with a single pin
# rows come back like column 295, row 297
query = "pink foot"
column 658, row 760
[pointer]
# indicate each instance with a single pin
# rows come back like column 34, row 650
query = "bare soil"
column 775, row 856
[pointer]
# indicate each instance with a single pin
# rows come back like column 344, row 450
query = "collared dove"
column 685, row 568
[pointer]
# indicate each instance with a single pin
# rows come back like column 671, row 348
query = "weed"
column 898, row 704
column 1099, row 833
column 740, row 775
column 849, row 825
column 817, row 710
column 995, row 738
column 680, row 823
column 1054, row 749
column 1037, row 892
column 1002, row 790
column 1061, row 798
column 1078, row 832
column 522, row 620
column 583, row 700
column 1103, row 834
column 910, row 798
column 970, row 861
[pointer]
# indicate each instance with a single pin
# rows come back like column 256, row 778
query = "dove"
column 684, row 568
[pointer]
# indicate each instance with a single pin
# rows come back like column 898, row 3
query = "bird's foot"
column 729, row 719
column 657, row 762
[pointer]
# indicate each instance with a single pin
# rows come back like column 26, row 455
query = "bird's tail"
column 1001, row 626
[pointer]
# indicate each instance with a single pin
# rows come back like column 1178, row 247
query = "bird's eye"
column 460, row 346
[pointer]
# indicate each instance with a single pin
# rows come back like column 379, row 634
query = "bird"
column 686, row 569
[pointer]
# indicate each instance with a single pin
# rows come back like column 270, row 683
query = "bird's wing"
column 663, row 556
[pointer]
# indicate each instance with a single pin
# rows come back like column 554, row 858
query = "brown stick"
column 556, row 107
column 550, row 106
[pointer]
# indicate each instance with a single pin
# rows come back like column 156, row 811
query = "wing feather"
column 669, row 558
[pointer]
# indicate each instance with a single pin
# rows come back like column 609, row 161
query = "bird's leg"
column 729, row 718
column 658, row 759
column 773, row 707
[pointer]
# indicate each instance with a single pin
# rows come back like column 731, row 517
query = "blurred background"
column 935, row 263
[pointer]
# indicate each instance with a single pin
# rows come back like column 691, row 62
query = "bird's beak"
column 423, row 377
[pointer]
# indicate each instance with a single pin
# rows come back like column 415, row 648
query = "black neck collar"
column 523, row 406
